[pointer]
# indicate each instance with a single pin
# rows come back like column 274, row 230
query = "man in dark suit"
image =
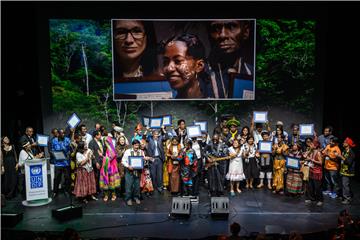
column 98, row 148
column 28, row 137
column 156, row 151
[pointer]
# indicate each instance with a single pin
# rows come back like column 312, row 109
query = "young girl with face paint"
column 183, row 64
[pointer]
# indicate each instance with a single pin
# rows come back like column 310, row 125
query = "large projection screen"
column 183, row 59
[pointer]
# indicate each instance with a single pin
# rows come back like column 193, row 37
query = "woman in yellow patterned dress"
column 280, row 150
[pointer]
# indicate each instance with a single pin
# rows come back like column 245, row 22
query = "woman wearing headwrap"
column 347, row 169
column 109, row 173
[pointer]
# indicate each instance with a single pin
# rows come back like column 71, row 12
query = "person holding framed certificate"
column 132, row 175
column 280, row 150
column 181, row 131
column 293, row 177
column 265, row 162
column 61, row 144
column 156, row 152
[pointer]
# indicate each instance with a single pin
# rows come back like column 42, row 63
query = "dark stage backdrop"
column 290, row 63
column 27, row 83
column 286, row 84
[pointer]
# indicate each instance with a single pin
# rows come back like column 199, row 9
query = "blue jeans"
column 331, row 180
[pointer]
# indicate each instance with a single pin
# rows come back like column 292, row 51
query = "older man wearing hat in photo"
column 347, row 169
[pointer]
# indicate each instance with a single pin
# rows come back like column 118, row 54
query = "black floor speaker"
column 67, row 213
column 181, row 207
column 10, row 219
column 220, row 207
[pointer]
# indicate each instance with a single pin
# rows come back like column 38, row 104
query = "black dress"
column 10, row 172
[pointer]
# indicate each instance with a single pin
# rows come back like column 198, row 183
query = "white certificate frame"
column 167, row 120
column 203, row 125
column 74, row 120
column 136, row 162
column 146, row 120
column 304, row 129
column 293, row 162
column 59, row 155
column 42, row 140
column 257, row 116
column 193, row 131
column 265, row 146
column 156, row 123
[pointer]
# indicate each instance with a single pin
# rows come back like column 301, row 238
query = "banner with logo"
column 36, row 179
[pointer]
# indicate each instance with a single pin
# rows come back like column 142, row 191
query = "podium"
column 36, row 183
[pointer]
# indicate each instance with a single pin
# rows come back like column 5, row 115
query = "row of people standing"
column 177, row 163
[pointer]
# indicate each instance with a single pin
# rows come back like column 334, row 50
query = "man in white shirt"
column 86, row 137
column 132, row 176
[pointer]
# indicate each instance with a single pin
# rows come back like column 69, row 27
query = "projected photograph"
column 83, row 81
column 183, row 60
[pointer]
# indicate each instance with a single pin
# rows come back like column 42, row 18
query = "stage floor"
column 255, row 210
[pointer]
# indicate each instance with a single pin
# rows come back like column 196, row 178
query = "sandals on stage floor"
column 238, row 190
column 113, row 198
column 106, row 198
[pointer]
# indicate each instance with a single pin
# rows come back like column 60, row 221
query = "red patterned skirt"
column 294, row 182
column 85, row 184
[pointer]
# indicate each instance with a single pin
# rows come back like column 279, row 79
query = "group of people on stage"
column 99, row 162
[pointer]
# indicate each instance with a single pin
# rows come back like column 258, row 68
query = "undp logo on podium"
column 36, row 178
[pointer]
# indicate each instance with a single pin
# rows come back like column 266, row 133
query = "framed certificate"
column 42, row 140
column 167, row 120
column 59, row 155
column 292, row 162
column 136, row 162
column 156, row 123
column 306, row 129
column 73, row 121
column 265, row 146
column 145, row 121
column 172, row 133
column 260, row 117
column 203, row 125
column 193, row 131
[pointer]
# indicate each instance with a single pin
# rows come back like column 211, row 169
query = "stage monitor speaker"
column 220, row 207
column 67, row 213
column 10, row 219
column 181, row 207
